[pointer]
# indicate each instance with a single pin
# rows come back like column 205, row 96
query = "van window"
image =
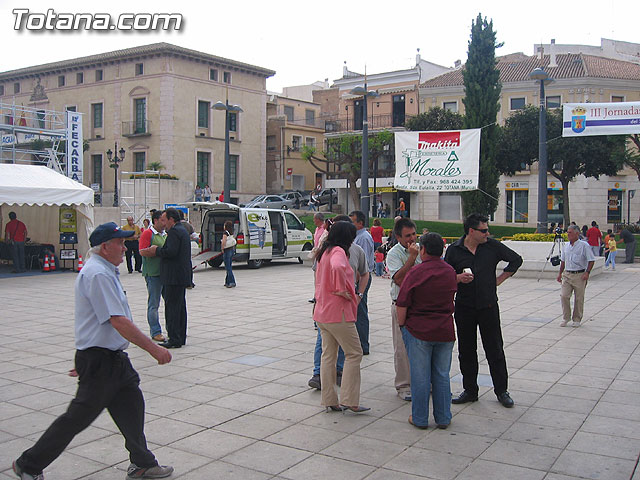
column 292, row 222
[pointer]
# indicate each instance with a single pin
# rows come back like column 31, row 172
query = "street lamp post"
column 228, row 110
column 364, row 167
column 114, row 164
column 543, row 77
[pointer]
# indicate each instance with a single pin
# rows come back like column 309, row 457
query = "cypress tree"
column 482, row 92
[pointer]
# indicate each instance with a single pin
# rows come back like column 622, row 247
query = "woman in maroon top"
column 425, row 315
column 376, row 233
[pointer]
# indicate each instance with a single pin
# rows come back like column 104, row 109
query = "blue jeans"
column 227, row 256
column 155, row 290
column 317, row 356
column 379, row 268
column 611, row 259
column 429, row 363
column 362, row 321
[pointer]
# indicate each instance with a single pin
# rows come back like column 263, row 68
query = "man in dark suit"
column 176, row 275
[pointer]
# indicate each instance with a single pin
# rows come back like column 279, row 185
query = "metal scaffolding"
column 139, row 193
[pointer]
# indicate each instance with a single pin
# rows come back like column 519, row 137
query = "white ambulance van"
column 262, row 234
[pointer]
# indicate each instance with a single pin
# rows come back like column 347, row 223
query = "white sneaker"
column 575, row 324
column 564, row 323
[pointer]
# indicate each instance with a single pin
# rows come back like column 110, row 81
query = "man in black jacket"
column 176, row 275
column 475, row 257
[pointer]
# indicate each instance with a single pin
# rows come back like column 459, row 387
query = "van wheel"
column 254, row 263
column 215, row 262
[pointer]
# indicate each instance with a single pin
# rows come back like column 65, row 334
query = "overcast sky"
column 305, row 41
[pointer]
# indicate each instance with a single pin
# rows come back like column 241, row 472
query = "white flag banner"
column 443, row 161
column 74, row 146
column 583, row 119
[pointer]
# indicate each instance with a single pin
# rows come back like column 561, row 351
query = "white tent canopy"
column 36, row 193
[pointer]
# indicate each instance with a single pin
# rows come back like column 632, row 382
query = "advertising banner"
column 74, row 146
column 583, row 119
column 443, row 161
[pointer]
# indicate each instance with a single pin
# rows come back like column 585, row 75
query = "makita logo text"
column 438, row 140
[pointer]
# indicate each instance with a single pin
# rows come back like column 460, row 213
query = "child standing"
column 612, row 249
column 379, row 261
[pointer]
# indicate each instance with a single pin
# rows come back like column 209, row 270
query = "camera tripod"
column 555, row 260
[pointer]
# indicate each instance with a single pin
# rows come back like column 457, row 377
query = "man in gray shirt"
column 103, row 330
column 364, row 241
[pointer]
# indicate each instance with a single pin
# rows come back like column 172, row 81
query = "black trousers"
column 468, row 319
column 133, row 249
column 175, row 313
column 106, row 380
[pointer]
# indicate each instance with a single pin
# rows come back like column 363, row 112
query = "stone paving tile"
column 576, row 390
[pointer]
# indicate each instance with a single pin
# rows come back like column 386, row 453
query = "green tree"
column 568, row 157
column 482, row 93
column 344, row 155
column 632, row 157
column 435, row 118
column 156, row 166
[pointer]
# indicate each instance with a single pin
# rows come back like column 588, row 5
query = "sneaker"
column 24, row 475
column 564, row 323
column 405, row 395
column 314, row 382
column 159, row 471
column 575, row 324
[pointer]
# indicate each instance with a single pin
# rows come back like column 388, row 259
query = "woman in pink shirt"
column 335, row 314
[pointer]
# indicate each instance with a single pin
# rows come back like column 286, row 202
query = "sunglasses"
column 482, row 230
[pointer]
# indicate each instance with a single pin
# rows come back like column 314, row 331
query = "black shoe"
column 169, row 345
column 505, row 399
column 464, row 397
column 312, row 300
column 314, row 382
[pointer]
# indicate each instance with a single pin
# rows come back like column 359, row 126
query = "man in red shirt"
column 15, row 234
column 594, row 237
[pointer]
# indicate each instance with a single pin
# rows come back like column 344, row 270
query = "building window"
column 617, row 98
column 96, row 172
column 213, row 74
column 296, row 142
column 99, row 75
column 233, row 121
column 61, row 80
column 517, row 206
column 203, row 114
column 288, row 112
column 41, row 118
column 71, row 108
column 310, row 142
column 139, row 158
column 310, row 117
column 16, row 87
column 226, row 77
column 1, row 90
column 79, row 78
column 554, row 102
column 517, row 103
column 140, row 105
column 614, row 206
column 96, row 114
column 398, row 111
column 139, row 69
column 450, row 106
column 233, row 170
column 202, row 168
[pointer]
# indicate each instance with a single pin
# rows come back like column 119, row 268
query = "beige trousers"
column 345, row 335
column 572, row 283
column 400, row 357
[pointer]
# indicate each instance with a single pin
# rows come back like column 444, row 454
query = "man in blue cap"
column 103, row 330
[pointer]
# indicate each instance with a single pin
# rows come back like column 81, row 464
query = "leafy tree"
column 632, row 157
column 482, row 93
column 435, row 118
column 568, row 157
column 344, row 155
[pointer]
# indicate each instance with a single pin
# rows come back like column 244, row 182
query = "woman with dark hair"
column 376, row 233
column 335, row 314
column 228, row 248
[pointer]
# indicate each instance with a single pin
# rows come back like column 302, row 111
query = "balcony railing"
column 349, row 124
column 136, row 128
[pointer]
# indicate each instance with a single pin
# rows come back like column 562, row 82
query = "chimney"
column 345, row 70
column 540, row 52
column 552, row 54
column 457, row 64
column 418, row 57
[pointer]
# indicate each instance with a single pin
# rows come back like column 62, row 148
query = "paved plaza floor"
column 234, row 403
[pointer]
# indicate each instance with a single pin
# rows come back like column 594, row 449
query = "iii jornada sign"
column 447, row 160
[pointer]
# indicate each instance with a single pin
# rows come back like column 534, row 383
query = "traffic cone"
column 46, row 264
column 79, row 263
column 52, row 263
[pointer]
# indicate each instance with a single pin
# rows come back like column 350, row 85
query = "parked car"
column 299, row 199
column 269, row 201
column 326, row 195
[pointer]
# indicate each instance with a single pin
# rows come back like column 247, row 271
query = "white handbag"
column 231, row 241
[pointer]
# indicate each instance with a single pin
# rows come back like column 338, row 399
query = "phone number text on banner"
column 440, row 161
